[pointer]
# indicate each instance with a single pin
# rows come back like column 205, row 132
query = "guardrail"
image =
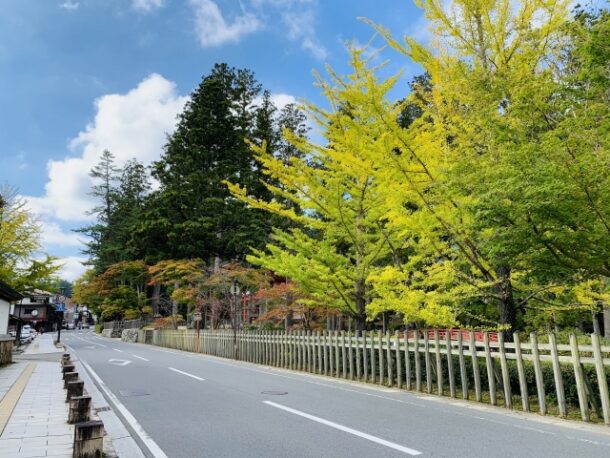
column 550, row 378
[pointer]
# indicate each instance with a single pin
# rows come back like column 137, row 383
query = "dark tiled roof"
column 7, row 293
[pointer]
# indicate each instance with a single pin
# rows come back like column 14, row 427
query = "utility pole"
column 235, row 290
column 59, row 311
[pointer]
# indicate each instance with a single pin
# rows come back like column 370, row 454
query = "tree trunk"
column 595, row 319
column 175, row 308
column 156, row 294
column 288, row 321
column 506, row 306
column 360, row 296
column 607, row 322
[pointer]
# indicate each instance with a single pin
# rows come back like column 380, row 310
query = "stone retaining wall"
column 129, row 335
column 6, row 350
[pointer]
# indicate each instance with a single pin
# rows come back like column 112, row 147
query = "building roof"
column 7, row 293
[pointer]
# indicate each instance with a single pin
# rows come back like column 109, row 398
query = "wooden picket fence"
column 456, row 364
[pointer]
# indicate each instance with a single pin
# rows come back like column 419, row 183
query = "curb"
column 120, row 442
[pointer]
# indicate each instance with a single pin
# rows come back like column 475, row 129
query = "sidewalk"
column 43, row 345
column 33, row 411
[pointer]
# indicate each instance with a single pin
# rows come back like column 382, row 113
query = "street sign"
column 60, row 298
column 60, row 307
column 197, row 316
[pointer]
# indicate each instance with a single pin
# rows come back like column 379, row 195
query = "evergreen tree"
column 101, row 248
column 193, row 214
column 131, row 196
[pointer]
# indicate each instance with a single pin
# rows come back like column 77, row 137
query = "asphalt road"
column 200, row 406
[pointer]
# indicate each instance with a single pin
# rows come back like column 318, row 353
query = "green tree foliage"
column 342, row 237
column 118, row 292
column 193, row 214
column 510, row 149
column 101, row 247
column 122, row 195
column 20, row 263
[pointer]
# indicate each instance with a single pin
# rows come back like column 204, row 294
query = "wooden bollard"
column 65, row 359
column 67, row 368
column 88, row 439
column 70, row 377
column 75, row 389
column 80, row 409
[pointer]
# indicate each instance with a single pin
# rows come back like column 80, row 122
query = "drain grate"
column 275, row 393
column 102, row 409
column 128, row 393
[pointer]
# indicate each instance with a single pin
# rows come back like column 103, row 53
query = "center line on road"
column 186, row 373
column 346, row 429
column 116, row 349
column 139, row 357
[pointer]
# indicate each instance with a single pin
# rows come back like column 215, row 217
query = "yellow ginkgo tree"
column 342, row 239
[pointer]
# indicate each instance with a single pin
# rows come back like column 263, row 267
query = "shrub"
column 131, row 314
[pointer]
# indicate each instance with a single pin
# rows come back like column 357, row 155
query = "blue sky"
column 79, row 76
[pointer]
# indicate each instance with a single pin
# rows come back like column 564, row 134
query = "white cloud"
column 72, row 267
column 70, row 6
column 420, row 30
column 54, row 235
column 299, row 18
column 280, row 100
column 147, row 5
column 315, row 48
column 214, row 30
column 131, row 125
column 296, row 18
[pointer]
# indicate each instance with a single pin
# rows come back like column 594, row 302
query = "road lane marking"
column 120, row 351
column 346, row 429
column 186, row 373
column 309, row 378
column 152, row 446
column 139, row 357
column 119, row 362
column 88, row 341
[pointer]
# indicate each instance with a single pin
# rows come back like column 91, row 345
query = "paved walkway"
column 43, row 344
column 33, row 412
column 8, row 376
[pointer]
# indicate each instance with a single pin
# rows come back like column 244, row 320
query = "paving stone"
column 38, row 426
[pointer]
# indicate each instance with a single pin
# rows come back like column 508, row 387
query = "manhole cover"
column 128, row 393
column 275, row 393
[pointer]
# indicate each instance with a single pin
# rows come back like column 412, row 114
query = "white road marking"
column 119, row 362
column 346, row 429
column 308, row 378
column 120, row 351
column 139, row 357
column 152, row 446
column 186, row 373
column 88, row 341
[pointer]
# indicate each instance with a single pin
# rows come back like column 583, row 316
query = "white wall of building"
column 4, row 311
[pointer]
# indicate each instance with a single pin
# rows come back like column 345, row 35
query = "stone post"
column 89, row 439
column 74, row 389
column 80, row 408
column 70, row 377
column 67, row 368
